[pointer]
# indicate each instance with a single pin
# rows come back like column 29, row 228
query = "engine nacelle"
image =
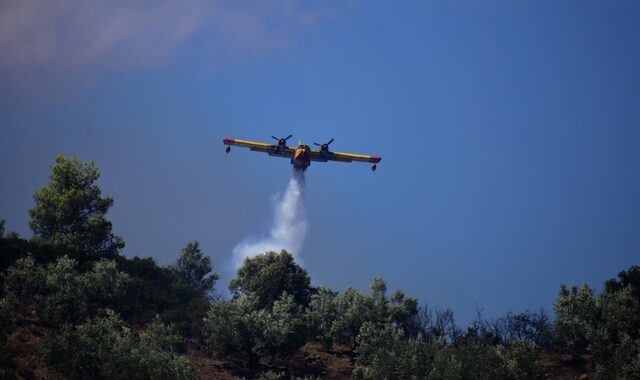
column 228, row 149
column 374, row 167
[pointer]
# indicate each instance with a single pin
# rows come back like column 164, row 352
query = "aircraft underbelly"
column 301, row 162
column 274, row 154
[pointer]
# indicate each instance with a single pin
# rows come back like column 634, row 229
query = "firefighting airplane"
column 302, row 155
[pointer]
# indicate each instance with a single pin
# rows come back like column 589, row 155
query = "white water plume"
column 289, row 226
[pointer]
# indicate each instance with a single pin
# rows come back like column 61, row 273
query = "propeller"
column 324, row 146
column 282, row 141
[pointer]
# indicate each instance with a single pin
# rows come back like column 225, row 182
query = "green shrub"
column 58, row 293
column 240, row 327
column 384, row 353
column 104, row 348
column 520, row 360
column 267, row 276
column 576, row 311
column 321, row 315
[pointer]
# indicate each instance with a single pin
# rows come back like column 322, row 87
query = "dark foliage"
column 531, row 326
column 629, row 277
column 269, row 275
column 156, row 290
column 605, row 325
column 70, row 211
column 108, row 316
column 105, row 348
column 241, row 327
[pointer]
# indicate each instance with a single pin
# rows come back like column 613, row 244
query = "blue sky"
column 509, row 131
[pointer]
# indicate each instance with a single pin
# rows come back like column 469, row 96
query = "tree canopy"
column 268, row 275
column 70, row 210
column 105, row 348
column 98, row 314
column 193, row 269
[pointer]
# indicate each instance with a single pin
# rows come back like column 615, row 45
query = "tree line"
column 106, row 316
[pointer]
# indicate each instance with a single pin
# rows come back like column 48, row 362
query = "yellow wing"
column 271, row 149
column 324, row 156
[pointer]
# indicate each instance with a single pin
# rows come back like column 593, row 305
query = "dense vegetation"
column 105, row 316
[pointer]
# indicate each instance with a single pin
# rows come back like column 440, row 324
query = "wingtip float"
column 301, row 155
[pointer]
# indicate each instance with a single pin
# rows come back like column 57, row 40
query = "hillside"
column 73, row 307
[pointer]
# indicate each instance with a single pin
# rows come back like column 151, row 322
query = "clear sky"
column 509, row 131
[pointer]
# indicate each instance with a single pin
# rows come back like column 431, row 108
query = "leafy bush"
column 613, row 331
column 321, row 315
column 106, row 287
column 65, row 293
column 62, row 292
column 23, row 287
column 384, row 353
column 576, row 311
column 353, row 309
column 240, row 327
column 629, row 277
column 520, row 360
column 59, row 293
column 267, row 276
column 606, row 326
column 104, row 348
column 153, row 289
column 627, row 358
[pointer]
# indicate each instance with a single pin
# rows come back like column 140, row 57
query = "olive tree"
column 59, row 293
column 354, row 308
column 105, row 348
column 268, row 275
column 241, row 327
column 576, row 310
column 321, row 315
